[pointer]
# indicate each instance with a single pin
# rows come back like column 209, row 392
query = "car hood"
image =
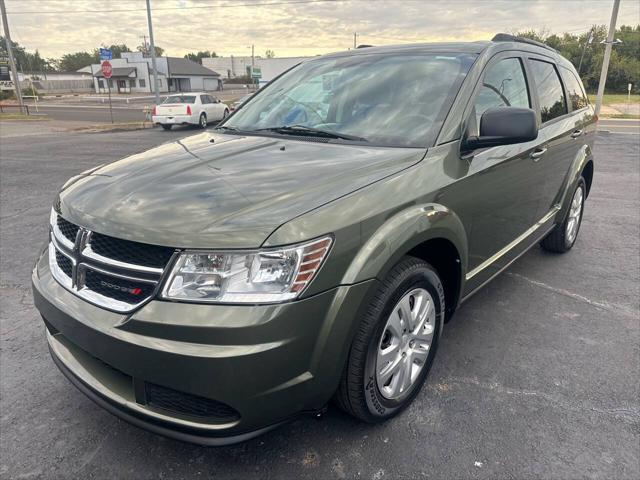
column 222, row 191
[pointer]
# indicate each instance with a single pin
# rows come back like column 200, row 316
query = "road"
column 536, row 376
column 620, row 125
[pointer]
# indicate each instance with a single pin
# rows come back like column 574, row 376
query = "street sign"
column 105, row 54
column 256, row 72
column 106, row 69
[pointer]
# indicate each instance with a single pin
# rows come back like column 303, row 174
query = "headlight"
column 264, row 276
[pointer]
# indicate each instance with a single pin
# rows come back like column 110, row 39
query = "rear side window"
column 574, row 90
column 550, row 93
column 504, row 85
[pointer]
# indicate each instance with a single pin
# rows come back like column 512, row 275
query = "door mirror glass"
column 504, row 126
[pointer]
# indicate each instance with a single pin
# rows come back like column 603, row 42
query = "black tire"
column 558, row 240
column 358, row 393
column 166, row 127
column 225, row 114
column 202, row 121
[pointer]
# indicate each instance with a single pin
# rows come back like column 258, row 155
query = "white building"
column 231, row 67
column 133, row 73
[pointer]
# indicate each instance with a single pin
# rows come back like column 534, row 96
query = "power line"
column 192, row 7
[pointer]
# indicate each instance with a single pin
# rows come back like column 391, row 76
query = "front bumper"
column 268, row 363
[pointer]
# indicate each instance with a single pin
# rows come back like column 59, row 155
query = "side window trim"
column 493, row 61
column 535, row 89
column 566, row 71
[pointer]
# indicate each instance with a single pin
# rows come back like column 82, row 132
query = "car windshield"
column 381, row 99
column 180, row 99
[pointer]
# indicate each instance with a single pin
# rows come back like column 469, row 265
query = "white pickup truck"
column 195, row 108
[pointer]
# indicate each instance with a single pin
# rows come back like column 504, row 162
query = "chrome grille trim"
column 83, row 259
column 62, row 240
column 88, row 252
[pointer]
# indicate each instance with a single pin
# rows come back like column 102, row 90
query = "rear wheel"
column 203, row 120
column 165, row 126
column 395, row 344
column 563, row 237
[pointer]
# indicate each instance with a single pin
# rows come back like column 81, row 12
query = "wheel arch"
column 431, row 232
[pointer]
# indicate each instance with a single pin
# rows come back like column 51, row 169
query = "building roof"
column 117, row 72
column 184, row 66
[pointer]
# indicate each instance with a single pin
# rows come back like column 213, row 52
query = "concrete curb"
column 115, row 127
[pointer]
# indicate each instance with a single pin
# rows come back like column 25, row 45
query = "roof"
column 184, row 66
column 453, row 47
column 117, row 72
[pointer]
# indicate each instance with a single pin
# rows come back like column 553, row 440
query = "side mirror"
column 504, row 126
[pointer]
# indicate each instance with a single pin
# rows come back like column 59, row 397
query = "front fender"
column 401, row 233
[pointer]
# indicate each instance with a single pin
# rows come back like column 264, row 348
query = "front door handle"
column 537, row 153
column 576, row 133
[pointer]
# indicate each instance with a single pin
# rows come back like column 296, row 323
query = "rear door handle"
column 537, row 153
column 576, row 133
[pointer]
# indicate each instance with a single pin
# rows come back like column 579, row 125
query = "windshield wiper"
column 310, row 131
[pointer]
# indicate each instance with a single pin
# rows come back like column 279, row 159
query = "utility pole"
column 253, row 62
column 355, row 40
column 607, row 55
column 586, row 44
column 144, row 43
column 12, row 62
column 153, row 55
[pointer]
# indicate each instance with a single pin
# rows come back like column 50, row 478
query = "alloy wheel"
column 575, row 212
column 405, row 342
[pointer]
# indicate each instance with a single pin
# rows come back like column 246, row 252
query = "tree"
column 145, row 48
column 70, row 62
column 624, row 66
column 27, row 61
column 197, row 57
column 269, row 54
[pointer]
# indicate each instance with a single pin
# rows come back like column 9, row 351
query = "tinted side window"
column 552, row 101
column 504, row 85
column 574, row 90
column 204, row 98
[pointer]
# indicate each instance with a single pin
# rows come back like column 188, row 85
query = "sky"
column 292, row 27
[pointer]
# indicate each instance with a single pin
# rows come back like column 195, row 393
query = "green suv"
column 313, row 245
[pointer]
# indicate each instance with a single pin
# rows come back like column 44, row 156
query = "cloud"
column 231, row 27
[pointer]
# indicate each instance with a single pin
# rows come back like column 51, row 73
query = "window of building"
column 100, row 83
column 575, row 92
column 550, row 93
column 504, row 85
column 142, row 82
column 110, row 83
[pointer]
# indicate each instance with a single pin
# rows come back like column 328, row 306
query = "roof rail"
column 505, row 37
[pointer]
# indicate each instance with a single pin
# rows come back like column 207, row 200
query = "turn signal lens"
column 188, row 110
column 265, row 276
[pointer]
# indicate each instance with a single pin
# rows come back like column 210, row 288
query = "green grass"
column 19, row 116
column 612, row 98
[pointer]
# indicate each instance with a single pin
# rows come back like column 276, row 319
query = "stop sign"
column 106, row 69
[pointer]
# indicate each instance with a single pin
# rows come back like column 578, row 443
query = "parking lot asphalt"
column 537, row 375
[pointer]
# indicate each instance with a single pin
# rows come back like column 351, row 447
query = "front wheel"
column 563, row 237
column 395, row 344
column 225, row 114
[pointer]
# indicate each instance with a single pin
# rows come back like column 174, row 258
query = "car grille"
column 67, row 229
column 130, row 252
column 65, row 264
column 116, row 274
column 187, row 404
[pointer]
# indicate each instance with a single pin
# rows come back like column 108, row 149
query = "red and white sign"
column 106, row 69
